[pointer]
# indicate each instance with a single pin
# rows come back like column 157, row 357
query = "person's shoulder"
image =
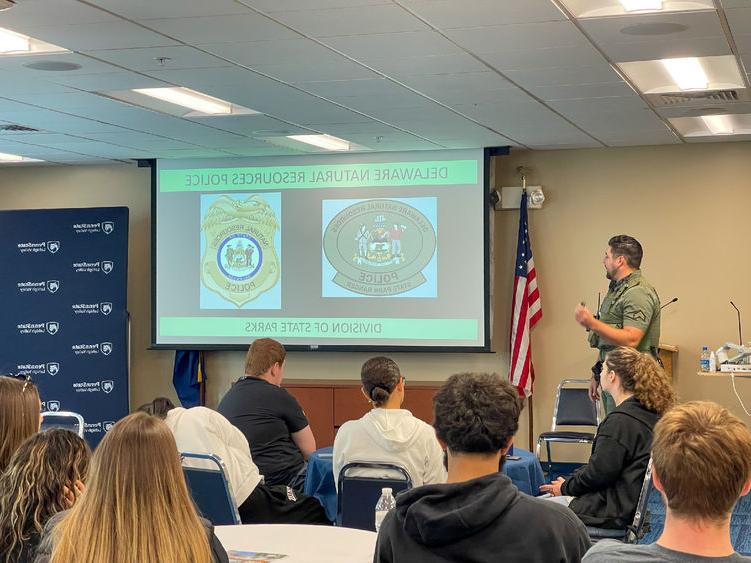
column 611, row 550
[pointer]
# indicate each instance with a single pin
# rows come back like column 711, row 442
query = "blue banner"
column 63, row 285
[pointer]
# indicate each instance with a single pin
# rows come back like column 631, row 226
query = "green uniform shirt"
column 631, row 301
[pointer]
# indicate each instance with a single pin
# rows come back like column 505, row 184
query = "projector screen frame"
column 488, row 152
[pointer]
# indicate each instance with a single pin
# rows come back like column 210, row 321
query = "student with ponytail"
column 604, row 492
column 388, row 433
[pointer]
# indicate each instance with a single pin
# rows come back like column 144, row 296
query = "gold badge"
column 240, row 261
column 379, row 247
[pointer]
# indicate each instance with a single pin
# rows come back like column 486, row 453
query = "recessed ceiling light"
column 714, row 125
column 638, row 5
column 607, row 8
column 687, row 73
column 9, row 158
column 327, row 142
column 719, row 124
column 14, row 43
column 188, row 98
column 179, row 101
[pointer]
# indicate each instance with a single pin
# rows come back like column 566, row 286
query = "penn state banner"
column 63, row 285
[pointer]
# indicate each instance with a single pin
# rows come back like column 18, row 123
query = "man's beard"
column 609, row 274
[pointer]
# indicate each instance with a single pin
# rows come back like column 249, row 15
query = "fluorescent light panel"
column 188, row 98
column 327, row 142
column 14, row 43
column 7, row 158
column 719, row 124
column 641, row 5
column 687, row 73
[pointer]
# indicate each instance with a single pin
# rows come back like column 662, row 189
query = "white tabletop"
column 301, row 543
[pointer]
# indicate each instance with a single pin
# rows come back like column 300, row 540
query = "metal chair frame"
column 222, row 470
column 554, row 425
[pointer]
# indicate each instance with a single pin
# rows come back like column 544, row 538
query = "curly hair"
column 32, row 487
column 641, row 375
column 379, row 376
column 476, row 413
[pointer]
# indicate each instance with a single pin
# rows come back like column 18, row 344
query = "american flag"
column 527, row 309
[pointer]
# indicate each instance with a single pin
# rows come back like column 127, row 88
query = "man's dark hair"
column 159, row 407
column 628, row 247
column 379, row 376
column 476, row 413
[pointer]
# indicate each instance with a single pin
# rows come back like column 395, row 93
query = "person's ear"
column 658, row 484
column 746, row 488
column 400, row 385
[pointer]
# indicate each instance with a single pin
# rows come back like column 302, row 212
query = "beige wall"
column 686, row 204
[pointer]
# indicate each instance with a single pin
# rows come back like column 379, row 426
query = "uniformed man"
column 630, row 312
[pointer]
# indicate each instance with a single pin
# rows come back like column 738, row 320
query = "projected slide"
column 368, row 250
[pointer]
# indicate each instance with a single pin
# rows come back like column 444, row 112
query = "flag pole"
column 530, row 415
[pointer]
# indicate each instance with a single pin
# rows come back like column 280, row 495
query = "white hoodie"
column 203, row 431
column 391, row 436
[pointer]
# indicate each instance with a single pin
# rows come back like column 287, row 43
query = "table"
column 301, row 543
column 526, row 474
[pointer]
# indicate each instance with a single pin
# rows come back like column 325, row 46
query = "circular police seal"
column 379, row 247
column 240, row 261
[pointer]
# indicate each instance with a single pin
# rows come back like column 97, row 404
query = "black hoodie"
column 484, row 519
column 607, row 488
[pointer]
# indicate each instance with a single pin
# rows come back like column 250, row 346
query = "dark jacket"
column 44, row 552
column 484, row 519
column 607, row 488
column 27, row 550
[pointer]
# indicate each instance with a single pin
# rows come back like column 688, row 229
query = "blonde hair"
column 136, row 506
column 702, row 456
column 32, row 487
column 641, row 375
column 19, row 415
column 262, row 355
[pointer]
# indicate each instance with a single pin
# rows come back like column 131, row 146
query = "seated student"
column 45, row 476
column 203, row 431
column 136, row 506
column 389, row 433
column 19, row 414
column 478, row 515
column 272, row 420
column 701, row 465
column 606, row 490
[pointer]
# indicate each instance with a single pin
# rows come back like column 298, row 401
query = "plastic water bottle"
column 385, row 503
column 712, row 361
column 704, row 359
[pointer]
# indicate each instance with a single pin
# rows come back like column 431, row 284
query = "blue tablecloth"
column 526, row 474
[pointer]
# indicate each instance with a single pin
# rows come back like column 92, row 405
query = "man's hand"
column 583, row 316
column 594, row 390
column 554, row 488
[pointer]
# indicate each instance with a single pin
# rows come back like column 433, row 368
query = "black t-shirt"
column 267, row 415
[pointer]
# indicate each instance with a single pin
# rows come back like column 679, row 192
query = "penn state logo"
column 108, row 227
column 53, row 406
column 53, row 246
column 53, row 368
column 108, row 266
column 107, row 425
column 53, row 327
column 105, row 307
column 53, row 285
column 105, row 348
column 108, row 386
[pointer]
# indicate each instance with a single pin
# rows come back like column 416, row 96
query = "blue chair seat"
column 567, row 436
column 358, row 495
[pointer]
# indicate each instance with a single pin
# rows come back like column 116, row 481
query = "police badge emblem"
column 240, row 260
column 380, row 247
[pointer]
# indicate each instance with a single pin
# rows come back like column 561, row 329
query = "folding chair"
column 572, row 408
column 63, row 419
column 207, row 481
column 358, row 495
column 638, row 527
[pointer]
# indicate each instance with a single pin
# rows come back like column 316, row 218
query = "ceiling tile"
column 449, row 14
column 543, row 58
column 222, row 29
column 352, row 21
column 104, row 35
column 148, row 59
column 151, row 9
column 381, row 45
column 563, row 76
column 520, row 37
column 34, row 13
column 287, row 51
column 294, row 5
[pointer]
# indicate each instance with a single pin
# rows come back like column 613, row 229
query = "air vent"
column 12, row 128
column 699, row 98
